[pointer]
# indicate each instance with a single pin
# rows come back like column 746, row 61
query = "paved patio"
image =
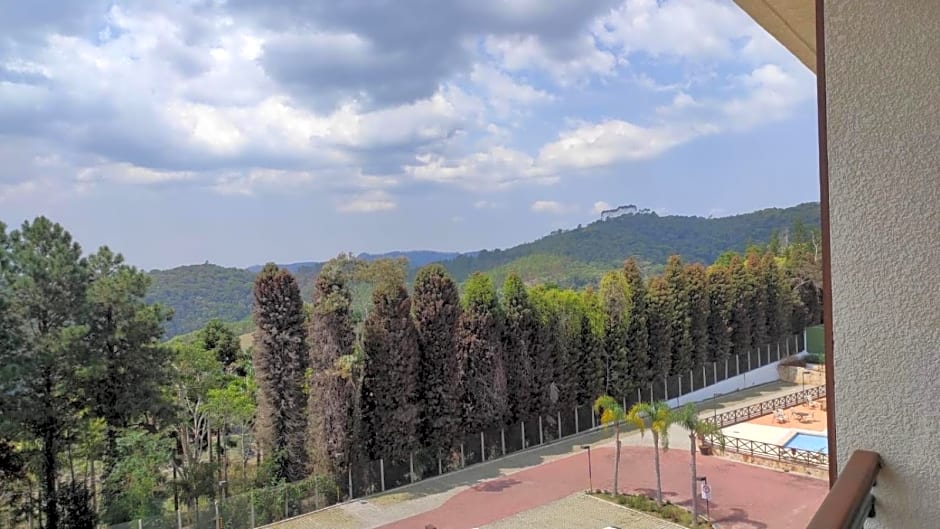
column 580, row 511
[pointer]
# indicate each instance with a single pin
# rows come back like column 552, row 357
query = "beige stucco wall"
column 883, row 85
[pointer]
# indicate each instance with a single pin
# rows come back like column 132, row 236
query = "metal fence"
column 273, row 504
column 766, row 407
column 770, row 451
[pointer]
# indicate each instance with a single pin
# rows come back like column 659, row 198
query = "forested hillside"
column 199, row 293
column 571, row 259
column 649, row 238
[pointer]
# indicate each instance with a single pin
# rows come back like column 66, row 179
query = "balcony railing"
column 850, row 500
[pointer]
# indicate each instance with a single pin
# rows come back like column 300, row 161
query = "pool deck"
column 766, row 429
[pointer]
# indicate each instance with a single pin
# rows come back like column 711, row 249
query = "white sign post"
column 706, row 495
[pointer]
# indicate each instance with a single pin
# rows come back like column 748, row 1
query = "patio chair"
column 780, row 416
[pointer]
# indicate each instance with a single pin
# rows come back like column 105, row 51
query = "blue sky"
column 245, row 131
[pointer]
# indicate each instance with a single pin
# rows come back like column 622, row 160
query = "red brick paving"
column 743, row 496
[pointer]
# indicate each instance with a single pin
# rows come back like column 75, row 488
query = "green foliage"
column 137, row 487
column 615, row 299
column 478, row 351
column 219, row 338
column 521, row 344
column 75, row 508
column 666, row 511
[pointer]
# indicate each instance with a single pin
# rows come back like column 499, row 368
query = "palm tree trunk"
column 617, row 462
column 694, row 479
column 659, row 482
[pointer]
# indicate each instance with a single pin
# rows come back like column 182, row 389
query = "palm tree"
column 612, row 413
column 656, row 416
column 687, row 417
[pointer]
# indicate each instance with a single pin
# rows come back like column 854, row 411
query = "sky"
column 246, row 131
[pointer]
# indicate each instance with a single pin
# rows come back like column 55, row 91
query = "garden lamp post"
column 590, row 477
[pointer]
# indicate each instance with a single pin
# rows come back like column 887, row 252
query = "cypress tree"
column 588, row 362
column 436, row 307
column 779, row 299
column 758, row 308
column 549, row 360
column 521, row 344
column 741, row 323
column 679, row 316
column 638, row 331
column 697, row 287
column 331, row 407
column 719, row 313
column 615, row 304
column 478, row 349
column 279, row 357
column 390, row 348
column 659, row 311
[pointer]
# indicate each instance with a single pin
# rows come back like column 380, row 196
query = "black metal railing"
column 766, row 407
column 770, row 451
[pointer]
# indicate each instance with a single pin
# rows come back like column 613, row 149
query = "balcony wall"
column 882, row 68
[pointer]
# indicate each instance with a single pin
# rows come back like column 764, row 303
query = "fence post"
column 691, row 382
column 577, row 428
column 382, row 473
column 411, row 466
column 665, row 390
column 179, row 517
column 463, row 461
column 541, row 438
column 440, row 466
column 715, row 371
column 482, row 448
column 651, row 392
column 140, row 521
column 704, row 377
column 523, row 433
column 502, row 439
column 593, row 420
column 778, row 351
column 680, row 386
column 350, row 482
column 559, row 423
column 749, row 361
column 251, row 514
column 726, row 368
column 737, row 363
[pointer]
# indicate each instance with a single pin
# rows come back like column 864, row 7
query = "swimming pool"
column 805, row 441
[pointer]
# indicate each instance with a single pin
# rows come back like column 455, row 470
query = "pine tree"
column 280, row 361
column 390, row 349
column 478, row 349
column 719, row 313
column 638, row 331
column 679, row 316
column 129, row 365
column 659, row 311
column 436, row 307
column 697, row 288
column 47, row 280
column 331, row 411
column 521, row 344
column 615, row 304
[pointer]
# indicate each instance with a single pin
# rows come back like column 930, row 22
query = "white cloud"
column 614, row 141
column 495, row 168
column 484, row 204
column 691, row 29
column 368, row 202
column 551, row 207
column 567, row 63
column 771, row 93
column 600, row 206
column 505, row 92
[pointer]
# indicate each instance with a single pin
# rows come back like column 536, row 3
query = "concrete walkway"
column 428, row 494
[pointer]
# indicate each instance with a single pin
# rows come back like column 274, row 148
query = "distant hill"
column 569, row 258
column 648, row 237
column 198, row 293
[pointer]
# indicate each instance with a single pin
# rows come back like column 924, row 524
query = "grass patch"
column 393, row 498
column 638, row 502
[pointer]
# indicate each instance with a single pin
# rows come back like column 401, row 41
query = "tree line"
column 102, row 422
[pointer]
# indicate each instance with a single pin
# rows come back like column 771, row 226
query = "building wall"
column 883, row 97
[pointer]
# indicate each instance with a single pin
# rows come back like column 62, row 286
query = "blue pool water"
column 805, row 441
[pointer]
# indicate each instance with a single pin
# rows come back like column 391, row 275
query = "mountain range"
column 572, row 258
